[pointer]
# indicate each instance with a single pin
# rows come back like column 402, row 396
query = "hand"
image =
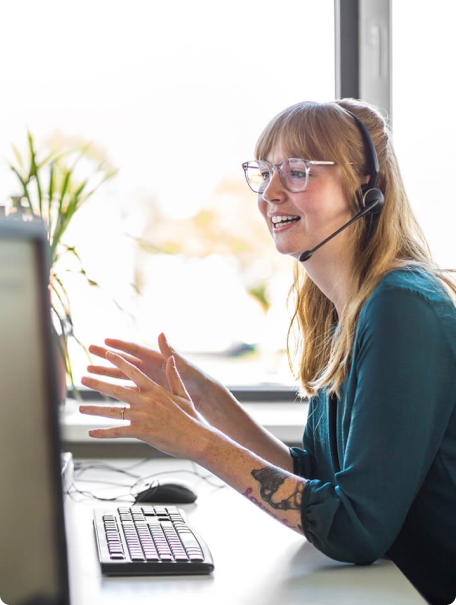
column 153, row 364
column 165, row 419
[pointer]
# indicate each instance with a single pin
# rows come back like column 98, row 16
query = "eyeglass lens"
column 293, row 174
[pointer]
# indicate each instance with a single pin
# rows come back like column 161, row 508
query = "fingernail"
column 109, row 354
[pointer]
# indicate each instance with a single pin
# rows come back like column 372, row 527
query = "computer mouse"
column 171, row 491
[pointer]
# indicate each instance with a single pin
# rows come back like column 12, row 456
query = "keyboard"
column 149, row 540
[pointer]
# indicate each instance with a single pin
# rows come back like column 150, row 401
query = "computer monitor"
column 33, row 559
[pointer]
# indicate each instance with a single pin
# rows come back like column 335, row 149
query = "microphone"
column 376, row 201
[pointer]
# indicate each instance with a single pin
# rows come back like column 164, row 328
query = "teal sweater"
column 381, row 459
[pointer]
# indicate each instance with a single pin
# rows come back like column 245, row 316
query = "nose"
column 275, row 191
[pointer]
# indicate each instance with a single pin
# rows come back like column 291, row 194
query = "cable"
column 91, row 496
column 83, row 467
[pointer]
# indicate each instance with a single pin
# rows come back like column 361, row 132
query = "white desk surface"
column 257, row 560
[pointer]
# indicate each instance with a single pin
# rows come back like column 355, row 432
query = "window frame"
column 363, row 52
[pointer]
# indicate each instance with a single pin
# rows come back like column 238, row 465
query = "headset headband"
column 372, row 158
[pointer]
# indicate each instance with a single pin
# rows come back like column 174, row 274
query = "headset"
column 371, row 198
column 371, row 194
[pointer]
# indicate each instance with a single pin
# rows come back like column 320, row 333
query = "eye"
column 296, row 170
column 297, row 174
column 264, row 174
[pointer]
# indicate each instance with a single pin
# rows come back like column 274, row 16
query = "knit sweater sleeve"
column 304, row 458
column 403, row 390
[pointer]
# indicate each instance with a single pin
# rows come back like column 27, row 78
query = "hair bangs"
column 295, row 132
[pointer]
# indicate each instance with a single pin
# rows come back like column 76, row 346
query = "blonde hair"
column 324, row 131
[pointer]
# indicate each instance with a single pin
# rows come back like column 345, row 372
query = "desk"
column 275, row 565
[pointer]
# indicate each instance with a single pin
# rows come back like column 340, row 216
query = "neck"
column 331, row 270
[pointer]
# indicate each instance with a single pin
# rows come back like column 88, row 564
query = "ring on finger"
column 122, row 413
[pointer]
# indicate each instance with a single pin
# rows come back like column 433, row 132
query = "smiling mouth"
column 281, row 221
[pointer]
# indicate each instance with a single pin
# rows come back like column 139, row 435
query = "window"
column 424, row 129
column 176, row 95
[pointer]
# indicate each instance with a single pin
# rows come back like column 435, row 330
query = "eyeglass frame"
column 308, row 164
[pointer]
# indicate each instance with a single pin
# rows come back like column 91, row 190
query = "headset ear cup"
column 361, row 196
column 372, row 197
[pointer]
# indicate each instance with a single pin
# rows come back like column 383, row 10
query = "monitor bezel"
column 35, row 232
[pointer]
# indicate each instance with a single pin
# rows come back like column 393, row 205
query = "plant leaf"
column 34, row 171
column 18, row 157
column 64, row 294
column 57, row 228
column 24, row 186
column 148, row 246
column 63, row 345
column 50, row 196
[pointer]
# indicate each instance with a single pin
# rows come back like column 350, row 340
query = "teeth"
column 283, row 219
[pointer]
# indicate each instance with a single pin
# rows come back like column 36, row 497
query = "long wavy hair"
column 323, row 342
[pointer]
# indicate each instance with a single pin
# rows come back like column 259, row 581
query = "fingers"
column 174, row 380
column 112, row 433
column 115, row 412
column 122, row 393
column 131, row 351
column 101, row 352
column 165, row 349
column 132, row 372
column 105, row 371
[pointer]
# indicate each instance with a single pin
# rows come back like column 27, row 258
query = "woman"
column 376, row 355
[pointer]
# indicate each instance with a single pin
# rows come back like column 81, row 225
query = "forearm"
column 272, row 489
column 222, row 410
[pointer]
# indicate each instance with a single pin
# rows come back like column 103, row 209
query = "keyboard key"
column 172, row 510
column 148, row 510
column 188, row 540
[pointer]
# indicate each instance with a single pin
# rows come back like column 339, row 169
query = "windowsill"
column 284, row 419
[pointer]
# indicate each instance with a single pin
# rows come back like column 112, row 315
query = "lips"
column 282, row 220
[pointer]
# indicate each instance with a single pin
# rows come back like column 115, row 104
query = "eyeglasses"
column 293, row 173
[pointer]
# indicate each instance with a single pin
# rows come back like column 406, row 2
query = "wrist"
column 212, row 402
column 205, row 439
column 209, row 388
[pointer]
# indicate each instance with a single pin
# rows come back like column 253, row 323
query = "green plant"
column 53, row 187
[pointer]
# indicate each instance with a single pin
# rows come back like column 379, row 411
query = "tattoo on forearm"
column 248, row 494
column 271, row 478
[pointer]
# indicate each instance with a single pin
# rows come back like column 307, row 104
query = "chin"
column 288, row 251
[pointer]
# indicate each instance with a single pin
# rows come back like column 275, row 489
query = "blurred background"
column 174, row 96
